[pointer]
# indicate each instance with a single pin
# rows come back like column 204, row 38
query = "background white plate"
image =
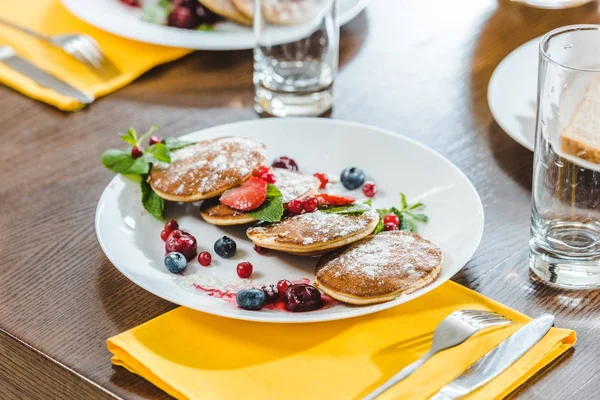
column 512, row 93
column 130, row 237
column 115, row 17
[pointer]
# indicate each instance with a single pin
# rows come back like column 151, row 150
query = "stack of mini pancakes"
column 371, row 269
column 280, row 12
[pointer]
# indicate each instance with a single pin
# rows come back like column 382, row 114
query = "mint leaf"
column 406, row 225
column 368, row 202
column 379, row 227
column 416, row 205
column 383, row 212
column 130, row 137
column 174, row 143
column 159, row 152
column 146, row 135
column 272, row 209
column 418, row 217
column 403, row 201
column 206, row 27
column 152, row 203
column 141, row 166
column 119, row 161
column 355, row 208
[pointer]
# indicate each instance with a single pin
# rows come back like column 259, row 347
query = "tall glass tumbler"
column 565, row 220
column 295, row 56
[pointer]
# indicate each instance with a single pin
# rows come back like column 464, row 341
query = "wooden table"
column 417, row 68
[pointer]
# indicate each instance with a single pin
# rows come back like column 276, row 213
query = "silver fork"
column 452, row 331
column 82, row 47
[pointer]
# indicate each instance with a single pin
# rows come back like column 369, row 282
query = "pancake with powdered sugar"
column 379, row 268
column 208, row 168
column 284, row 12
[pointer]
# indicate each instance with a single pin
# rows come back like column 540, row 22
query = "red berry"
column 247, row 197
column 164, row 234
column 268, row 177
column 282, row 285
column 182, row 17
column 310, row 203
column 295, row 206
column 391, row 219
column 171, row 225
column 334, row 199
column 181, row 242
column 244, row 270
column 260, row 250
column 390, row 227
column 131, row 3
column 204, row 258
column 263, row 169
column 369, row 189
column 154, row 140
column 323, row 178
column 285, row 162
column 136, row 152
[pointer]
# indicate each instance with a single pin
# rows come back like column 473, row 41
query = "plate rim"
column 322, row 317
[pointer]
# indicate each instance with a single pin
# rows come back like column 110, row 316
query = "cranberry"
column 136, row 152
column 323, row 178
column 205, row 16
column 310, row 203
column 154, row 140
column 390, row 227
column 282, row 285
column 391, row 219
column 204, row 258
column 269, row 177
column 182, row 242
column 131, row 3
column 260, row 250
column 271, row 293
column 369, row 189
column 183, row 17
column 164, row 234
column 286, row 163
column 171, row 225
column 244, row 269
column 295, row 206
column 302, row 297
column 263, row 169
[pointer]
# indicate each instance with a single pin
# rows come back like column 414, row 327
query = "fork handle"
column 23, row 29
column 403, row 374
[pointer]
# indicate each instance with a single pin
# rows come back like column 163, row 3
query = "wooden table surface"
column 420, row 68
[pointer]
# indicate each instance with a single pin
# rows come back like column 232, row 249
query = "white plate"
column 115, row 17
column 512, row 93
column 130, row 237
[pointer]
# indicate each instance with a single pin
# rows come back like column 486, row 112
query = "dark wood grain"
column 417, row 68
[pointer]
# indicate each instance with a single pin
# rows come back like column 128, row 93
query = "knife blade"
column 10, row 58
column 498, row 359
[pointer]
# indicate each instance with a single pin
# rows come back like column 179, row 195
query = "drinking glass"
column 295, row 56
column 565, row 219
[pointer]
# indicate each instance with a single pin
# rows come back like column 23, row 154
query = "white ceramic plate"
column 115, row 17
column 512, row 93
column 130, row 237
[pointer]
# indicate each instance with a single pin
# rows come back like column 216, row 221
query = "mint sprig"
column 120, row 161
column 355, row 208
column 406, row 213
column 272, row 208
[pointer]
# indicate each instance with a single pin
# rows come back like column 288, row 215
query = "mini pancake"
column 314, row 233
column 292, row 185
column 282, row 12
column 379, row 268
column 226, row 8
column 206, row 169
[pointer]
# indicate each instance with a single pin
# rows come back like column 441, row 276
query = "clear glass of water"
column 295, row 56
column 565, row 220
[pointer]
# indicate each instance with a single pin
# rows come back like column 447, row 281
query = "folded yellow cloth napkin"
column 192, row 355
column 50, row 17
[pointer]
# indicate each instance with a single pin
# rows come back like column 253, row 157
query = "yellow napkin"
column 50, row 17
column 192, row 355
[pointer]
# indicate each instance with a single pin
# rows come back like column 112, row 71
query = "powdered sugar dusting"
column 293, row 185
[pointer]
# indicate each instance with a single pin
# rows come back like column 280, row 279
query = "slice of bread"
column 581, row 136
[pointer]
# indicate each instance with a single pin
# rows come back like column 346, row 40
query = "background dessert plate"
column 131, row 238
column 512, row 93
column 115, row 17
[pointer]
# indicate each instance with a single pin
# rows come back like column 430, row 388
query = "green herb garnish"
column 406, row 213
column 355, row 208
column 272, row 208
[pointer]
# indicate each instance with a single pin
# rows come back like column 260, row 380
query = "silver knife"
column 43, row 78
column 498, row 359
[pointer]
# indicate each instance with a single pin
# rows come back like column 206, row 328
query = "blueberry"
column 175, row 262
column 225, row 247
column 250, row 299
column 352, row 178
